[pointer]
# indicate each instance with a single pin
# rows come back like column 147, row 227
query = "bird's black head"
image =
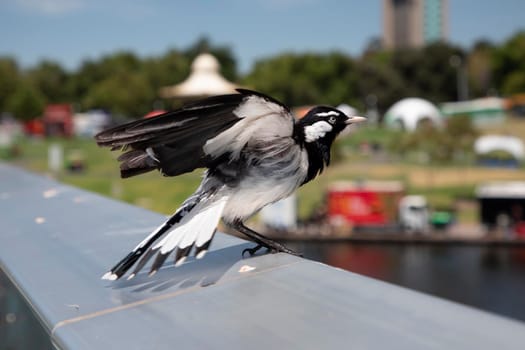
column 322, row 124
column 316, row 131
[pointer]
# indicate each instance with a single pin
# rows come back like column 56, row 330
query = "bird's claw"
column 271, row 250
column 252, row 251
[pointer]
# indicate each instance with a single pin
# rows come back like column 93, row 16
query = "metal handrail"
column 56, row 241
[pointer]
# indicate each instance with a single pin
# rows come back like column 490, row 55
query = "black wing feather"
column 176, row 138
column 173, row 136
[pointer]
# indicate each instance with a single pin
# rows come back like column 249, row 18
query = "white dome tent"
column 409, row 112
column 204, row 80
column 510, row 144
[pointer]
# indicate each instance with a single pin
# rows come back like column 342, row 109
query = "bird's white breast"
column 271, row 181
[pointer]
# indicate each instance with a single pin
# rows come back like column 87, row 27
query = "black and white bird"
column 255, row 153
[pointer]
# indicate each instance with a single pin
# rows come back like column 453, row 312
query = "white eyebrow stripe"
column 326, row 114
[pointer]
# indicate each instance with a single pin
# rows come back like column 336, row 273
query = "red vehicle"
column 371, row 203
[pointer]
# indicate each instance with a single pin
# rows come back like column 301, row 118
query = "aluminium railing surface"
column 56, row 241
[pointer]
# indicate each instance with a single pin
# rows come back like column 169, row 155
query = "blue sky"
column 69, row 31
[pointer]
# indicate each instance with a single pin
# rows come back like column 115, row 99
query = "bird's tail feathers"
column 195, row 230
column 192, row 225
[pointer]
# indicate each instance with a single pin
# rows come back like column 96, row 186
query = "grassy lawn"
column 151, row 190
column 442, row 185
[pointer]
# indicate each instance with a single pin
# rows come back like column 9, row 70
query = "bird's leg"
column 261, row 240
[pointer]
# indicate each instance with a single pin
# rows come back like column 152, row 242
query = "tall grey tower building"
column 414, row 23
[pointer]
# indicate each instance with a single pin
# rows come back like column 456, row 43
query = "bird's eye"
column 331, row 120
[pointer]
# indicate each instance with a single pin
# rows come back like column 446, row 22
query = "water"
column 488, row 278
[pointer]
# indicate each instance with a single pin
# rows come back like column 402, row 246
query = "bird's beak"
column 355, row 119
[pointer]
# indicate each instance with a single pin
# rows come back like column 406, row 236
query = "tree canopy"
column 126, row 84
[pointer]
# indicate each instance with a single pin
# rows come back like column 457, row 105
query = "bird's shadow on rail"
column 192, row 273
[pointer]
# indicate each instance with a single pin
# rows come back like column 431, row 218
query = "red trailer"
column 370, row 203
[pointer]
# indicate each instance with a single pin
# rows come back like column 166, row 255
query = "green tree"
column 379, row 79
column 26, row 102
column 168, row 69
column 126, row 84
column 427, row 72
column 9, row 80
column 509, row 65
column 51, row 80
column 302, row 79
column 514, row 83
column 124, row 93
column 92, row 73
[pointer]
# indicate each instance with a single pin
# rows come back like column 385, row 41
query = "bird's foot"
column 252, row 251
column 277, row 248
column 261, row 241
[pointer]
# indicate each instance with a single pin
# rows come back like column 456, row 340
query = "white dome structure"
column 204, row 80
column 205, row 63
column 510, row 144
column 408, row 112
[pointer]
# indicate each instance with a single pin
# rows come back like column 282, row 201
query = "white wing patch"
column 196, row 227
column 258, row 107
column 317, row 130
column 260, row 120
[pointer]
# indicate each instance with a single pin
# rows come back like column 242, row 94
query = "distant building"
column 58, row 120
column 502, row 206
column 414, row 23
column 483, row 112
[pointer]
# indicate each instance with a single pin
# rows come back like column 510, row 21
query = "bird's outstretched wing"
column 191, row 137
